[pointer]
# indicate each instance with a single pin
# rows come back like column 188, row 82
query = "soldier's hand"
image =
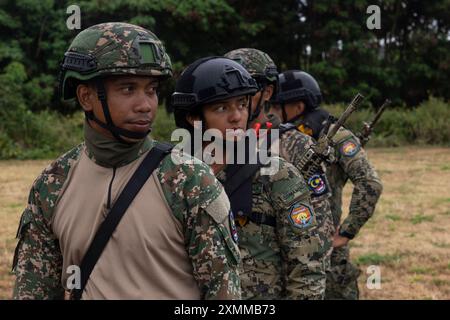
column 339, row 241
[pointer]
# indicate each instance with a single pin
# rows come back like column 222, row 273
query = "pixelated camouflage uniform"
column 292, row 145
column 351, row 163
column 285, row 261
column 296, row 86
column 189, row 189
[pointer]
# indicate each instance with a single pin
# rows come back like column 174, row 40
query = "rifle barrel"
column 380, row 111
column 351, row 107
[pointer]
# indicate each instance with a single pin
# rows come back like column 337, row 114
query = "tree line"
column 407, row 59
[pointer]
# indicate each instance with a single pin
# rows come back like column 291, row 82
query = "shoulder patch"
column 349, row 148
column 300, row 215
column 317, row 184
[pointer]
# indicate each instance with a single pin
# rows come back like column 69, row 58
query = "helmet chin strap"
column 250, row 117
column 109, row 125
column 254, row 115
column 283, row 112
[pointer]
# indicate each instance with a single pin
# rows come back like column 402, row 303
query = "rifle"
column 364, row 135
column 311, row 161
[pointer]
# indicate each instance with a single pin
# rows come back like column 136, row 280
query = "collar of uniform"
column 108, row 152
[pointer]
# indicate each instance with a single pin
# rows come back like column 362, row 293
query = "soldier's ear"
column 300, row 106
column 268, row 92
column 86, row 95
column 191, row 118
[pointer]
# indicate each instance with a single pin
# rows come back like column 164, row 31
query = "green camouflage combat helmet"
column 257, row 63
column 260, row 66
column 107, row 49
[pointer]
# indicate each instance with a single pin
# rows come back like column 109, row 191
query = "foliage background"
column 407, row 60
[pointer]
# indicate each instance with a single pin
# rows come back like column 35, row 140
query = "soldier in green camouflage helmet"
column 297, row 102
column 174, row 240
column 281, row 250
column 262, row 68
column 292, row 144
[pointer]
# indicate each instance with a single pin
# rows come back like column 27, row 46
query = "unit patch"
column 300, row 215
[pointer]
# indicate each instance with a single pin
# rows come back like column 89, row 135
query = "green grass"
column 420, row 270
column 15, row 205
column 441, row 201
column 438, row 229
column 377, row 259
column 416, row 278
column 439, row 282
column 405, row 189
column 443, row 245
column 393, row 217
column 419, row 218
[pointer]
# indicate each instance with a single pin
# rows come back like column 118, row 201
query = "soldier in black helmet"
column 280, row 247
column 297, row 101
column 292, row 144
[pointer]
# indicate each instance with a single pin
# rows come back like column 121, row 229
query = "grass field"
column 408, row 236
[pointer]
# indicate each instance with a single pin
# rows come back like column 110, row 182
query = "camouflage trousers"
column 342, row 280
column 326, row 228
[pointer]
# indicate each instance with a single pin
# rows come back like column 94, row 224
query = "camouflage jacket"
column 352, row 163
column 189, row 189
column 284, row 261
column 292, row 146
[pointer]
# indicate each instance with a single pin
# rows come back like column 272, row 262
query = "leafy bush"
column 425, row 125
column 32, row 135
column 163, row 125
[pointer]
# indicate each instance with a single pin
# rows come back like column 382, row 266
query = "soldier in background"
column 281, row 249
column 297, row 102
column 174, row 241
column 292, row 143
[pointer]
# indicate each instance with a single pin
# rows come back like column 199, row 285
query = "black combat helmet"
column 296, row 85
column 208, row 80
